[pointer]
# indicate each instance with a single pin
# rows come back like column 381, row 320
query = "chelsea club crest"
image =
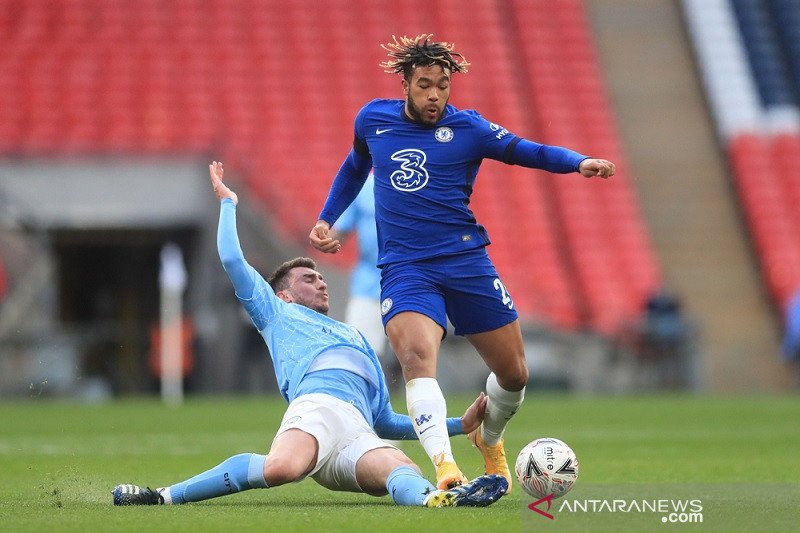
column 444, row 134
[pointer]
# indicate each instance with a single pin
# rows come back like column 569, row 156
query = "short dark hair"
column 278, row 279
column 407, row 54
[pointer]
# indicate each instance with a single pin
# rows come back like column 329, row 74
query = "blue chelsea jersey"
column 424, row 177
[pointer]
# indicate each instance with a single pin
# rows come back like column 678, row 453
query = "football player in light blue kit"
column 338, row 400
column 426, row 155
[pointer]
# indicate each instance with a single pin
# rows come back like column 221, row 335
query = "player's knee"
column 278, row 471
column 522, row 377
column 417, row 363
column 515, row 378
column 403, row 460
column 415, row 342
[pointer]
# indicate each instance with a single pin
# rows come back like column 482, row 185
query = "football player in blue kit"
column 339, row 408
column 426, row 155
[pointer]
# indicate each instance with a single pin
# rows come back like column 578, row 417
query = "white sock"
column 428, row 412
column 166, row 493
column 500, row 408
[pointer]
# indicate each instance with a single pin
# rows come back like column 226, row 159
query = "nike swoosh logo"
column 378, row 131
column 426, row 429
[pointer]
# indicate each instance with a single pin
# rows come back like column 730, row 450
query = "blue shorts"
column 464, row 288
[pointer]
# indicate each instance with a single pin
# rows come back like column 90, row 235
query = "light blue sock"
column 407, row 486
column 235, row 474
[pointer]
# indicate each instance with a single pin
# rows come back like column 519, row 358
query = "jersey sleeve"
column 493, row 140
column 351, row 176
column 253, row 291
column 501, row 145
column 346, row 185
column 550, row 158
column 394, row 426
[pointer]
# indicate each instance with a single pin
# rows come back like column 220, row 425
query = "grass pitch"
column 59, row 462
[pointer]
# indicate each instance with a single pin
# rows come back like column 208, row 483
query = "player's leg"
column 235, row 474
column 502, row 350
column 413, row 309
column 362, row 462
column 384, row 471
column 359, row 461
column 482, row 310
column 388, row 470
column 415, row 339
column 292, row 456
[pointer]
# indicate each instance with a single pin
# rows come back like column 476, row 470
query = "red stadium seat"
column 274, row 86
column 766, row 179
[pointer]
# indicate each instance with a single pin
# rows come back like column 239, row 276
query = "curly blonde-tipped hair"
column 406, row 54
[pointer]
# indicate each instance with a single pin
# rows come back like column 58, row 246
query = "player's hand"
column 474, row 415
column 601, row 168
column 220, row 189
column 321, row 238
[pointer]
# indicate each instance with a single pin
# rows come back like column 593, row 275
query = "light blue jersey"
column 360, row 218
column 312, row 352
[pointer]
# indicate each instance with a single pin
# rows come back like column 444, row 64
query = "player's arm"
column 555, row 159
column 496, row 142
column 245, row 279
column 394, row 426
column 228, row 247
column 254, row 293
column 346, row 186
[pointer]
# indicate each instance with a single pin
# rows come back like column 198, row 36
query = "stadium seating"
column 768, row 187
column 272, row 88
column 760, row 126
column 603, row 231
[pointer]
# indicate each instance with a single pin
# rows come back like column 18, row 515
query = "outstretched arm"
column 241, row 274
column 555, row 159
column 394, row 426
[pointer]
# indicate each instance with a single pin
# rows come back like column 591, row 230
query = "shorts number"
column 498, row 286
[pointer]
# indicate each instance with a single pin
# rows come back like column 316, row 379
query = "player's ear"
column 286, row 296
column 404, row 82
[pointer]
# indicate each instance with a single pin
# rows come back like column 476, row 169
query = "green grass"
column 59, row 461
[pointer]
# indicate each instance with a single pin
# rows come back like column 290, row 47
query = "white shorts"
column 365, row 315
column 342, row 433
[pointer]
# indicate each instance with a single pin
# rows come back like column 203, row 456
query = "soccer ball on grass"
column 546, row 466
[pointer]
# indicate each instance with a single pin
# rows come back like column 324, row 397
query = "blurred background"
column 677, row 274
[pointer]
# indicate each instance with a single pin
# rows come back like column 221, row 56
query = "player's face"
column 427, row 93
column 308, row 288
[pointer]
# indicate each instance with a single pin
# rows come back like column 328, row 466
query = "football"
column 547, row 466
